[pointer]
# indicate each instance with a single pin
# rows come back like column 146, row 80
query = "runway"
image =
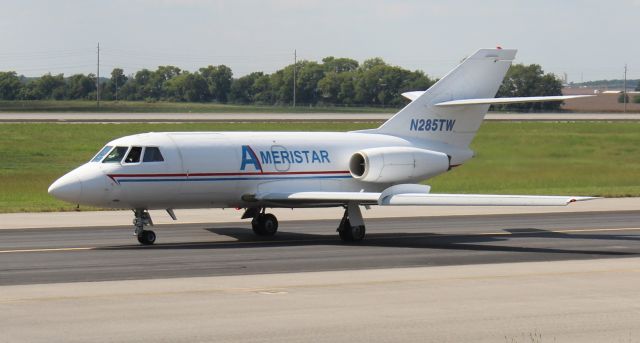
column 53, row 255
column 64, row 117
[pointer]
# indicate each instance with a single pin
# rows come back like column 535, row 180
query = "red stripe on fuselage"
column 231, row 174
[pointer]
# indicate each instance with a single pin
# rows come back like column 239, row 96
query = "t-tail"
column 478, row 76
column 452, row 110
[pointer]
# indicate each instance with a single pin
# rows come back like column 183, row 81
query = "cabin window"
column 116, row 155
column 101, row 154
column 152, row 154
column 134, row 155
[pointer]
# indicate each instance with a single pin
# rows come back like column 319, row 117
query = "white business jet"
column 259, row 170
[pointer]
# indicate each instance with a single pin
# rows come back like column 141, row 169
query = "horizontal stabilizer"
column 420, row 199
column 515, row 100
column 412, row 95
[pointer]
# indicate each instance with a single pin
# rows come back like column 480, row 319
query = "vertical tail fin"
column 478, row 76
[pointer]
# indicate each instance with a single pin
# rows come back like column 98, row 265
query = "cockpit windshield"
column 152, row 154
column 134, row 155
column 98, row 157
column 116, row 155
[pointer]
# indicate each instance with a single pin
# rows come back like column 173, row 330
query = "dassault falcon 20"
column 260, row 170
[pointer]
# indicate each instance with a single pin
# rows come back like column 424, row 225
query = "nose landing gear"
column 142, row 219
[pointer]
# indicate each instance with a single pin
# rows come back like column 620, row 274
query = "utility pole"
column 624, row 92
column 295, row 62
column 98, row 79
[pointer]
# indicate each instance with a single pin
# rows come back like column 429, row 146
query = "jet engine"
column 397, row 164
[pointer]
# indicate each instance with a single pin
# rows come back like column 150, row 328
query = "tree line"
column 334, row 81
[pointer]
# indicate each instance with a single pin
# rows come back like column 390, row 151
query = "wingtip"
column 576, row 199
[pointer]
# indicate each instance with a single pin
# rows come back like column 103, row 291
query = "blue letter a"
column 249, row 157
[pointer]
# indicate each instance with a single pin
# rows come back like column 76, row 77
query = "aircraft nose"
column 67, row 188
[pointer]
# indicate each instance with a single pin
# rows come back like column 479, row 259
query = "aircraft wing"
column 417, row 199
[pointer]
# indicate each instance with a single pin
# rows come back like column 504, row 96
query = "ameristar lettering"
column 432, row 125
column 280, row 156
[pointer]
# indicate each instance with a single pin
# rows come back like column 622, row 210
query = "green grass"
column 169, row 107
column 581, row 158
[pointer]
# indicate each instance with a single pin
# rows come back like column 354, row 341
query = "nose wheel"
column 142, row 219
column 147, row 237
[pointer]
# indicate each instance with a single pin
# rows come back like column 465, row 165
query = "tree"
column 187, row 86
column 383, row 84
column 523, row 81
column 116, row 82
column 281, row 85
column 243, row 89
column 138, row 88
column 263, row 91
column 638, row 86
column 49, row 87
column 79, row 86
column 308, row 74
column 158, row 79
column 339, row 65
column 372, row 62
column 338, row 88
column 219, row 80
column 10, row 85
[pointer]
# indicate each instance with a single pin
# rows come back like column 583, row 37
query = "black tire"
column 350, row 233
column 147, row 237
column 265, row 225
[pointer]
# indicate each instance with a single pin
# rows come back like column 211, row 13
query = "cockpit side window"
column 100, row 155
column 116, row 155
column 134, row 155
column 152, row 154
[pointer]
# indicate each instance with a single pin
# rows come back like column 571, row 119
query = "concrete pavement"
column 566, row 301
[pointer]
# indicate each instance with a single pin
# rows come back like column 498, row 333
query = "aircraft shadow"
column 245, row 238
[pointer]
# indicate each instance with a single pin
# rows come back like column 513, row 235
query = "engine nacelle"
column 397, row 164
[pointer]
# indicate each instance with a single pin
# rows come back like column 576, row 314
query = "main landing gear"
column 351, row 228
column 264, row 224
column 142, row 219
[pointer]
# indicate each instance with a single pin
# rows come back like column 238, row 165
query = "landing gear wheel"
column 265, row 224
column 350, row 233
column 147, row 237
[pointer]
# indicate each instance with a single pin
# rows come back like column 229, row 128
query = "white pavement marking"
column 116, row 218
column 563, row 301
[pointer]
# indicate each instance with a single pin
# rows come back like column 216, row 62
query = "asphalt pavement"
column 52, row 255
